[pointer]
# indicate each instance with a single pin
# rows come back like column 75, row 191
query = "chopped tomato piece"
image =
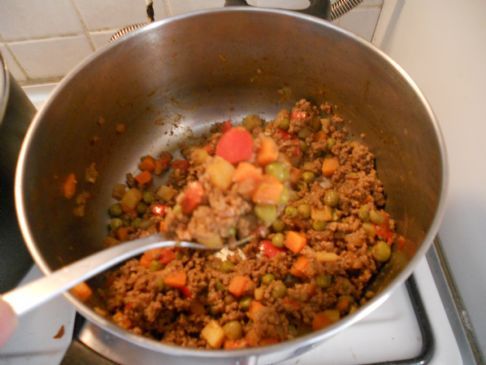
column 176, row 279
column 235, row 145
column 182, row 165
column 166, row 255
column 186, row 292
column 226, row 126
column 269, row 250
column 193, row 196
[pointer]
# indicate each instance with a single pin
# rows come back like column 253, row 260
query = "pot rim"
column 306, row 340
column 4, row 87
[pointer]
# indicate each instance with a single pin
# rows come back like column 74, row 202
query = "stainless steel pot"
column 16, row 113
column 179, row 75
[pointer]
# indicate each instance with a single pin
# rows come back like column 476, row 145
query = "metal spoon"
column 32, row 295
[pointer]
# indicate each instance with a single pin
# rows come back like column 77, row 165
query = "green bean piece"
column 278, row 225
column 227, row 266
column 331, row 198
column 304, row 210
column 308, row 176
column 376, row 217
column 245, row 303
column 364, row 213
column 318, row 225
column 141, row 208
column 115, row 210
column 279, row 290
column 267, row 279
column 116, row 223
column 381, row 251
column 266, row 213
column 291, row 211
column 278, row 170
column 148, row 197
column 278, row 239
column 232, row 330
column 323, row 281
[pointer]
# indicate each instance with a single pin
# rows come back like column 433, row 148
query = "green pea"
column 323, row 281
column 364, row 213
column 279, row 290
column 141, row 208
column 369, row 229
column 303, row 146
column 232, row 231
column 278, row 239
column 316, row 124
column 381, row 251
column 376, row 217
column 278, row 170
column 148, row 197
column 155, row 266
column 285, row 196
column 244, row 303
column 278, row 225
column 284, row 123
column 252, row 121
column 331, row 198
column 304, row 133
column 266, row 213
column 233, row 330
column 116, row 223
column 160, row 284
column 136, row 222
column 291, row 211
column 267, row 279
column 308, row 176
column 227, row 266
column 330, row 142
column 318, row 225
column 304, row 210
column 115, row 210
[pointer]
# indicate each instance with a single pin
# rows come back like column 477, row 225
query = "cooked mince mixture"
column 307, row 197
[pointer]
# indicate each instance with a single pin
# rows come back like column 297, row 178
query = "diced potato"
column 131, row 198
column 220, row 173
column 209, row 239
column 166, row 193
column 323, row 256
column 324, row 214
column 213, row 334
column 82, row 291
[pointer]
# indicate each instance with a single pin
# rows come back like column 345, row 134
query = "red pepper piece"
column 269, row 250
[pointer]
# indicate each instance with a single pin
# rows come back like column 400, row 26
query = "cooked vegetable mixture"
column 307, row 195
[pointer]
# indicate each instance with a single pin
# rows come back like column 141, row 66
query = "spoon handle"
column 31, row 295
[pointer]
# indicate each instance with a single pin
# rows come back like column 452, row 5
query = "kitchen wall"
column 41, row 40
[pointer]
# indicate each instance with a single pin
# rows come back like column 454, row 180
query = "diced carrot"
column 301, row 266
column 82, row 291
column 166, row 255
column 247, row 177
column 193, row 196
column 235, row 145
column 148, row 257
column 268, row 151
column 291, row 305
column 122, row 233
column 295, row 241
column 239, row 285
column 255, row 308
column 226, row 126
column 329, row 166
column 235, row 344
column 320, row 320
column 268, row 341
column 69, row 186
column 268, row 191
column 147, row 164
column 182, row 165
column 144, row 178
column 176, row 279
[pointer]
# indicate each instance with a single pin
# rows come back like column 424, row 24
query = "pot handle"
column 324, row 9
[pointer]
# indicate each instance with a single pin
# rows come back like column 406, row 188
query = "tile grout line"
column 83, row 24
column 19, row 65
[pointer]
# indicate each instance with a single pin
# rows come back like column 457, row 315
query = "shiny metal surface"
column 16, row 112
column 170, row 80
column 27, row 297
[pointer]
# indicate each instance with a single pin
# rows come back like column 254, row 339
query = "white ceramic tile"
column 184, row 6
column 12, row 65
column 52, row 57
column 109, row 14
column 37, row 18
column 102, row 38
column 361, row 21
column 282, row 4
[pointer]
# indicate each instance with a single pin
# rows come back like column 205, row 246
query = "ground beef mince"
column 310, row 201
